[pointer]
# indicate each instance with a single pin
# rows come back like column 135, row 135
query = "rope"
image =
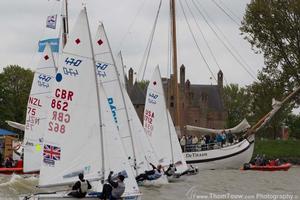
column 195, row 41
column 149, row 45
column 206, row 42
column 240, row 60
column 224, row 11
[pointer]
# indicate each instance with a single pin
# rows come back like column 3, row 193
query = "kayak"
column 282, row 167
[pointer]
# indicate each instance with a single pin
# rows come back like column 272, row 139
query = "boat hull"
column 283, row 167
column 230, row 157
column 65, row 196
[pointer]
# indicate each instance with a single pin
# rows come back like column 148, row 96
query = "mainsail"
column 37, row 109
column 71, row 143
column 159, row 126
column 123, row 113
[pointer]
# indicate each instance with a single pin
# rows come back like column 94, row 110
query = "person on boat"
column 190, row 170
column 153, row 174
column 183, row 143
column 9, row 162
column 171, row 170
column 81, row 187
column 113, row 189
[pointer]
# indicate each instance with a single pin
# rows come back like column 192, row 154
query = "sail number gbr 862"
column 60, row 117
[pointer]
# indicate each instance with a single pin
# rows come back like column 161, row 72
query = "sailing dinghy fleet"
column 80, row 119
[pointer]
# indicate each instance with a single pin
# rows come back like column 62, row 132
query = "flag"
column 51, row 21
column 51, row 154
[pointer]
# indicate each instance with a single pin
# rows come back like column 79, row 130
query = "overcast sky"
column 128, row 25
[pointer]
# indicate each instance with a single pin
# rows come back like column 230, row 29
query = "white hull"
column 230, row 157
column 64, row 196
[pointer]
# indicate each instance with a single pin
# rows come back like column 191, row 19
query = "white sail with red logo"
column 37, row 109
column 137, row 147
column 81, row 136
column 159, row 126
column 71, row 142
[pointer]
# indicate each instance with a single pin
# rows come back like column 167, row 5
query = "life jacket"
column 83, row 186
column 118, row 191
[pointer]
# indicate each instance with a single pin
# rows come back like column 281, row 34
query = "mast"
column 65, row 22
column 125, row 105
column 98, row 98
column 174, row 93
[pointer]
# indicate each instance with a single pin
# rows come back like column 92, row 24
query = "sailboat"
column 138, row 149
column 81, row 136
column 159, row 127
column 234, row 155
column 37, row 111
column 39, row 99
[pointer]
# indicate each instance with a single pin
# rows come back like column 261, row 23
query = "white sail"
column 159, row 126
column 179, row 159
column 71, row 143
column 121, row 68
column 114, row 154
column 37, row 109
column 119, row 103
column 240, row 128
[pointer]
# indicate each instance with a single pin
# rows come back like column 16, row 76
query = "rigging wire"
column 145, row 58
column 226, row 13
column 240, row 60
column 196, row 43
column 131, row 24
column 233, row 15
column 203, row 36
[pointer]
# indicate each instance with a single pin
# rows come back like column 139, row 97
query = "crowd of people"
column 207, row 142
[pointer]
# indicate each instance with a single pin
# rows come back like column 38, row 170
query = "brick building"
column 200, row 105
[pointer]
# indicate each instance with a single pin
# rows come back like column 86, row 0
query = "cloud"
column 128, row 25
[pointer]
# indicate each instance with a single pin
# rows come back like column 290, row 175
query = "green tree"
column 273, row 28
column 262, row 93
column 15, row 85
column 237, row 103
column 293, row 122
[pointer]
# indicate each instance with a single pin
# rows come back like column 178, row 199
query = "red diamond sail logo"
column 100, row 42
column 77, row 41
column 46, row 57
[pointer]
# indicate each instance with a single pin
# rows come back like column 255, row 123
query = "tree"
column 15, row 85
column 262, row 93
column 273, row 28
column 237, row 102
column 293, row 122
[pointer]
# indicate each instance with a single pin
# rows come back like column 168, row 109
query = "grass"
column 289, row 149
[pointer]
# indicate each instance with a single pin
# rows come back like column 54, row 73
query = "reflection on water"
column 211, row 184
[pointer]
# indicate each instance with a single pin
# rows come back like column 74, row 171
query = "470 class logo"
column 73, row 61
column 101, row 67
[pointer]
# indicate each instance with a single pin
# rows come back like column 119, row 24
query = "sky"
column 128, row 24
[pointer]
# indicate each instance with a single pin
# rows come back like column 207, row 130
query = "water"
column 212, row 184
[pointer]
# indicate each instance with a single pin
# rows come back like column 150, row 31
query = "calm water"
column 213, row 184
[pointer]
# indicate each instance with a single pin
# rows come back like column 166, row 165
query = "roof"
column 4, row 132
column 137, row 95
column 215, row 102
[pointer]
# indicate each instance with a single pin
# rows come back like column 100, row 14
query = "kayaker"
column 113, row 190
column 81, row 187
column 153, row 174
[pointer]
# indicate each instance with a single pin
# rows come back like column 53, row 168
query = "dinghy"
column 81, row 136
column 160, row 129
column 138, row 149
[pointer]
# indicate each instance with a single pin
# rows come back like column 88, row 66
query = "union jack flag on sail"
column 51, row 154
